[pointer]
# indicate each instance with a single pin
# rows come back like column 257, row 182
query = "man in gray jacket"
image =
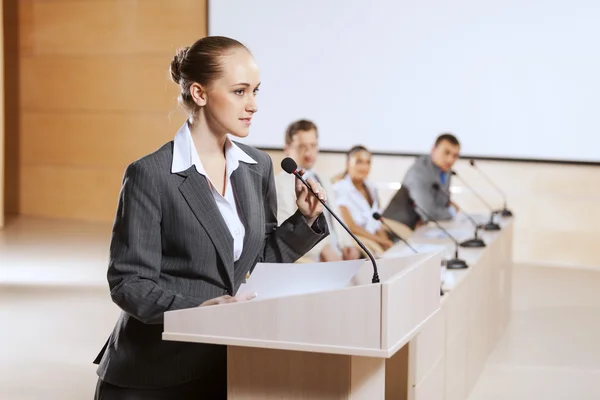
column 432, row 169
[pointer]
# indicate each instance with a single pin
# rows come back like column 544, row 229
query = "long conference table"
column 448, row 354
column 397, row 339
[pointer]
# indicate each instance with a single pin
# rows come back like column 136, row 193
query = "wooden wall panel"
column 87, row 194
column 94, row 95
column 97, row 83
column 95, row 139
column 109, row 27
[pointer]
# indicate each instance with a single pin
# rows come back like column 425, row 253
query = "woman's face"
column 359, row 165
column 231, row 99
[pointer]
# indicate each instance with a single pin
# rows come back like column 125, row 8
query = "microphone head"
column 377, row 216
column 472, row 162
column 435, row 186
column 289, row 165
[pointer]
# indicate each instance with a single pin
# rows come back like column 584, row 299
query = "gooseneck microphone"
column 505, row 212
column 377, row 216
column 290, row 166
column 454, row 263
column 490, row 225
column 475, row 241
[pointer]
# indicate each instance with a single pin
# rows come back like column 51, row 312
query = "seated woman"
column 357, row 198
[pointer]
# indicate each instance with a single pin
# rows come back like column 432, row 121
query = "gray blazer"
column 170, row 249
column 419, row 180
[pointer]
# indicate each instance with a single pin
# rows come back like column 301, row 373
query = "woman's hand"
column 308, row 204
column 385, row 243
column 420, row 223
column 383, row 239
column 350, row 253
column 228, row 299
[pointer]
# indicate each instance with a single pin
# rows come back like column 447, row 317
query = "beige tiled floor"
column 55, row 309
column 56, row 313
column 49, row 339
column 551, row 349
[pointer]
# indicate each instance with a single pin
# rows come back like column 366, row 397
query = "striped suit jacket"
column 170, row 249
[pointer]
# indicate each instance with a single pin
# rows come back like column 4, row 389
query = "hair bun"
column 175, row 68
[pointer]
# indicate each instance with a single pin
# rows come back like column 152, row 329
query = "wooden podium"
column 347, row 343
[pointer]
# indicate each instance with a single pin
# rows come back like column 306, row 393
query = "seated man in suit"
column 301, row 144
column 432, row 169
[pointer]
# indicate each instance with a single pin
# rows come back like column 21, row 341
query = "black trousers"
column 209, row 389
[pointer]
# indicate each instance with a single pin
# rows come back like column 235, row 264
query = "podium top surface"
column 356, row 318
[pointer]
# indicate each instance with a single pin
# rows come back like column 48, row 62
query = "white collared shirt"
column 349, row 196
column 185, row 155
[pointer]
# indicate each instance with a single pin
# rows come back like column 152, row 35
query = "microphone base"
column 490, row 226
column 475, row 242
column 456, row 263
column 506, row 213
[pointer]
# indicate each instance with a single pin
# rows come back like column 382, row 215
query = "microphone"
column 490, row 225
column 505, row 212
column 454, row 263
column 475, row 241
column 290, row 166
column 377, row 216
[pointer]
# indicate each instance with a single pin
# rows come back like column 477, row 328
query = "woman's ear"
column 198, row 94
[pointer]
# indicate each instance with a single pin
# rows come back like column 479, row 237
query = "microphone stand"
column 453, row 263
column 362, row 246
column 505, row 212
column 475, row 241
column 378, row 217
column 490, row 225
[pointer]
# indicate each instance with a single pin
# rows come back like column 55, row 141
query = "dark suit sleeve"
column 136, row 252
column 422, row 192
column 294, row 237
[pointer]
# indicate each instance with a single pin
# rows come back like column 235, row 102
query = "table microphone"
column 505, row 212
column 290, row 166
column 454, row 263
column 490, row 225
column 475, row 241
column 377, row 216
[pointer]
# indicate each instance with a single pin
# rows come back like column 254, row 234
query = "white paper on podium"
column 271, row 280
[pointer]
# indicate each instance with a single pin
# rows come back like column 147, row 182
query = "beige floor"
column 56, row 313
column 551, row 349
column 55, row 308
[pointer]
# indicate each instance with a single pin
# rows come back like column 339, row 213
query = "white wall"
column 515, row 79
